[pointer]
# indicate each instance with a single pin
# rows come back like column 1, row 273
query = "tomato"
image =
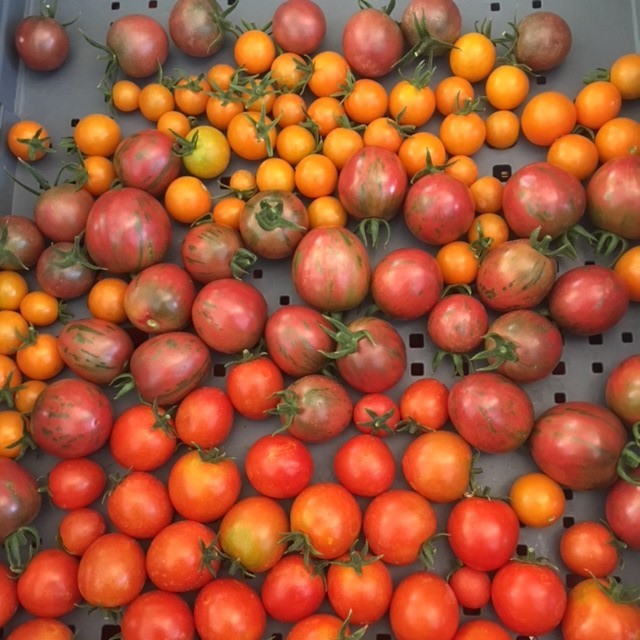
column 574, row 153
column 458, row 262
column 39, row 356
column 179, row 558
column 100, row 174
column 588, row 287
column 622, row 510
column 543, row 40
column 502, row 129
column 359, row 588
column 97, row 134
column 12, row 433
column 621, row 389
column 174, row 123
column 13, row 288
column 251, row 533
column 210, row 153
column 315, row 176
column 472, row 56
column 39, row 308
column 319, row 626
column 138, row 505
column 147, row 160
column 157, row 614
column 451, row 93
column 589, row 549
column 483, row 532
column 71, row 418
column 507, row 87
column 491, row 227
column 578, row 444
column 462, row 167
column 155, row 100
column 142, row 438
column 547, row 116
column 105, row 299
column 365, row 465
column 627, row 268
column 438, row 209
column 437, row 465
column 326, row 211
column 397, row 524
column 125, row 95
column 481, row 630
column 229, row 608
column 411, row 102
column 541, row 195
column 462, row 132
column 9, row 600
column 76, row 483
column 197, row 29
column 20, row 499
column 279, row 466
column 383, row 132
column 295, row 337
column 28, row 140
column 48, row 587
column 94, row 349
column 376, row 413
column 49, row 628
column 423, row 606
column 472, row 587
column 78, row 528
column 624, row 73
column 275, row 174
column 112, row 571
column 417, row 147
column 41, row 41
column 440, row 20
column 251, row 135
column 21, row 242
column 299, row 26
column 593, row 611
column 537, row 499
column 294, row 142
column 529, row 598
column 191, row 94
column 330, row 269
column 423, row 403
column 596, row 103
column 328, row 517
column 13, row 330
column 292, row 590
column 491, row 412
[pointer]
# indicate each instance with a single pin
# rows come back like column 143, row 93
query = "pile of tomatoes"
column 276, row 350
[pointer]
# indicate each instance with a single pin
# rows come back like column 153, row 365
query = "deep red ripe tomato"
column 365, row 465
column 112, row 571
column 423, row 607
column 481, row 630
column 79, row 528
column 622, row 510
column 157, row 614
column 359, row 588
column 76, row 483
column 229, row 315
column 203, row 485
column 292, row 590
column 251, row 386
column 179, row 558
column 49, row 628
column 319, row 626
column 142, row 438
column 204, row 417
column 483, row 532
column 48, row 587
column 229, row 608
column 329, row 515
column 279, row 466
column 251, row 533
column 437, row 465
column 8, row 594
column 529, row 598
column 491, row 412
column 424, row 403
column 139, row 505
column 377, row 414
column 472, row 587
column 589, row 549
column 397, row 523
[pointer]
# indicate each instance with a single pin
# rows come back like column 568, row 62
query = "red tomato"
column 472, row 587
column 79, row 528
column 157, row 614
column 589, row 549
column 48, row 628
column 376, row 413
column 8, row 595
column 76, row 483
column 424, row 404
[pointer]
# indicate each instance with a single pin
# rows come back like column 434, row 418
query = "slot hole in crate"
column 595, row 339
column 153, row 4
column 471, row 612
column 626, row 337
column 383, row 636
column 568, row 494
column 502, row 172
column 572, row 579
column 560, row 370
column 522, row 550
column 257, row 274
column 559, row 397
column 219, row 370
column 108, row 631
column 568, row 521
column 541, row 80
column 416, row 341
column 536, row 4
column 597, row 367
column 115, row 6
column 284, row 300
column 417, row 369
column 494, row 6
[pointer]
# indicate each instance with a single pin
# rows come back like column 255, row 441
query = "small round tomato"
column 537, row 499
column 547, row 116
column 472, row 56
column 191, row 94
column 502, row 129
column 624, row 73
column 28, row 140
column 8, row 595
column 13, row 288
column 26, row 394
column 154, row 100
column 210, row 153
column 251, row 135
column 618, row 137
column 78, row 528
column 472, row 587
column 365, row 100
column 76, row 483
column 451, row 93
column 486, row 192
column 462, row 132
column 12, row 432
column 97, row 134
column 187, row 198
column 376, row 413
column 411, row 102
column 254, row 51
column 507, row 87
column 204, row 417
column 326, row 211
column 589, row 549
column 49, row 628
column 596, row 103
column 39, row 308
column 328, row 75
column 156, row 614
column 14, row 329
column 488, row 229
column 294, row 142
column 125, row 95
column 39, row 357
column 424, row 403
column 481, row 630
column 458, row 262
column 315, row 176
column 574, row 153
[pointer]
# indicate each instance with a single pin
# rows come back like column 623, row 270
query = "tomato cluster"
column 209, row 327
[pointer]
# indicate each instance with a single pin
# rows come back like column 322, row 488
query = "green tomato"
column 210, row 154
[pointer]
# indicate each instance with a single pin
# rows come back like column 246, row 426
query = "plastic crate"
column 601, row 32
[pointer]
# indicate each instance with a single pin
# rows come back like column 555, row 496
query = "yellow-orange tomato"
column 254, row 50
column 187, row 199
column 463, row 168
column 329, row 70
column 487, row 194
column 537, row 499
column 13, row 288
column 40, row 308
column 451, row 93
column 154, row 100
column 315, row 176
column 507, row 87
column 227, row 211
column 574, row 153
column 219, row 75
column 472, row 56
column 628, row 268
column 326, row 211
column 12, row 430
column 288, row 71
column 502, row 129
column 625, row 74
column 458, row 263
column 383, row 132
column 325, row 112
column 295, row 142
column 288, row 109
column 105, row 299
column 411, row 104
column 125, row 95
column 10, row 374
column 39, row 357
column 25, row 397
column 547, row 116
column 97, row 134
column 251, row 135
column 493, row 228
column 191, row 94
column 243, row 182
column 13, row 330
column 101, row 174
column 340, row 144
column 596, row 103
column 28, row 140
column 174, row 123
column 618, row 137
column 462, row 133
column 366, row 100
column 275, row 173
column 415, row 149
column 220, row 111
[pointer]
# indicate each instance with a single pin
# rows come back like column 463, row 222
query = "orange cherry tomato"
column 315, row 176
column 415, row 149
column 487, row 194
column 502, row 129
column 596, row 103
column 537, row 500
column 366, row 100
column 547, row 116
column 187, row 199
column 507, row 87
column 254, row 50
column 40, row 308
column 329, row 70
column 625, row 74
column 340, row 144
column 125, row 95
column 326, row 211
column 451, row 93
column 618, row 137
column 628, row 268
column 472, row 56
column 458, row 263
column 28, row 140
column 574, row 153
column 105, row 299
column 97, row 134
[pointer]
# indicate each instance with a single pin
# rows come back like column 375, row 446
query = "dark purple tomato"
column 19, row 497
column 299, row 26
column 61, row 211
column 431, row 25
column 41, row 42
column 197, row 27
column 543, row 40
column 622, row 510
column 21, row 243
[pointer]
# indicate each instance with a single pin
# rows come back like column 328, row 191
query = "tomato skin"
column 423, row 606
column 542, row 195
column 622, row 389
column 472, row 587
column 588, row 299
column 299, row 26
column 546, row 116
column 71, row 418
column 544, row 40
column 22, row 242
column 578, row 444
column 406, row 283
column 483, row 532
column 318, row 626
column 8, row 595
column 622, row 510
column 155, row 614
column 591, row 614
column 588, row 549
column 78, row 528
column 529, row 599
column 49, row 628
column 48, row 587
column 19, row 497
column 252, row 387
column 377, row 414
column 61, row 211
column 94, row 349
column 481, row 630
column 424, row 403
column 76, row 483
column 438, row 209
column 397, row 523
column 491, row 412
column 229, row 608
